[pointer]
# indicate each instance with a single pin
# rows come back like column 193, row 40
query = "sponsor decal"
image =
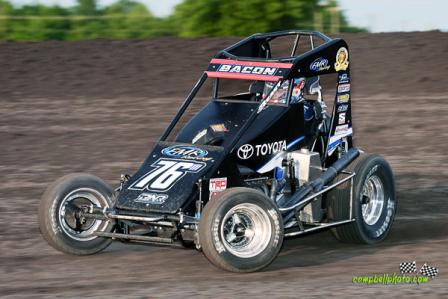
column 341, row 60
column 199, row 136
column 319, row 65
column 219, row 128
column 341, row 119
column 246, row 69
column 152, row 198
column 217, row 185
column 341, row 130
column 165, row 173
column 343, row 88
column 247, row 150
column 343, row 78
column 343, row 108
column 186, row 152
column 343, row 98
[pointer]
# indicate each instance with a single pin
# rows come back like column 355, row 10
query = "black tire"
column 249, row 206
column 369, row 170
column 56, row 219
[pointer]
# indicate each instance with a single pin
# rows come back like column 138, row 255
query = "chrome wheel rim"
column 372, row 199
column 246, row 230
column 70, row 223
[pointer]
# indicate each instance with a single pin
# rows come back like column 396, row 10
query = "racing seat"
column 312, row 85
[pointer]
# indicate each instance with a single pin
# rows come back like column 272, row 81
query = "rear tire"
column 241, row 230
column 58, row 222
column 374, row 205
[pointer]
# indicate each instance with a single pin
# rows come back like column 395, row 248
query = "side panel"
column 275, row 130
column 341, row 131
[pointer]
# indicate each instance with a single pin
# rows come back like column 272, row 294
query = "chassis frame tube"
column 319, row 227
column 184, row 106
column 157, row 240
column 308, row 199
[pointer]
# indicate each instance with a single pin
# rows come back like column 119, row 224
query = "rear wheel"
column 241, row 230
column 374, row 204
column 60, row 221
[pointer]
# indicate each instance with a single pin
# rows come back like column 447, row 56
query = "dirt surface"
column 398, row 63
column 99, row 106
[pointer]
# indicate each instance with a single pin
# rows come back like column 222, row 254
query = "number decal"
column 166, row 173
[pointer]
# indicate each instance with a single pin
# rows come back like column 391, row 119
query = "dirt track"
column 109, row 129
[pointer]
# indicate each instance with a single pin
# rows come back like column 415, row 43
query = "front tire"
column 59, row 220
column 241, row 230
column 374, row 202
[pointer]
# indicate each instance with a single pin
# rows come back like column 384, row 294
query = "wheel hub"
column 246, row 230
column 372, row 200
column 73, row 224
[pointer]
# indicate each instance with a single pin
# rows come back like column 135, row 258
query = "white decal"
column 217, row 185
column 256, row 70
column 166, row 173
column 247, row 150
column 152, row 198
column 341, row 119
column 341, row 130
column 343, row 88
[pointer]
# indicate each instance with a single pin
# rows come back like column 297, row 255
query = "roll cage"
column 251, row 59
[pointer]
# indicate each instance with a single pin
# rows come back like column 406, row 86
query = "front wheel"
column 241, row 230
column 60, row 221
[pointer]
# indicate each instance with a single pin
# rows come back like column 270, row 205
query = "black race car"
column 246, row 171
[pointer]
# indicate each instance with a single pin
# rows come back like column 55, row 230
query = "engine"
column 298, row 168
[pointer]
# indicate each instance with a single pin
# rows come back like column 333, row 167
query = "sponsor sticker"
column 245, row 69
column 341, row 60
column 343, row 108
column 199, row 136
column 152, row 198
column 246, row 151
column 343, row 98
column 343, row 78
column 341, row 130
column 343, row 88
column 217, row 185
column 186, row 152
column 319, row 65
column 219, row 128
column 341, row 119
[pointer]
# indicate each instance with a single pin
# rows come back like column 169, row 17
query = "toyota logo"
column 245, row 151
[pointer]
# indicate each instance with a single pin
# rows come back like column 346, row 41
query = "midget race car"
column 248, row 170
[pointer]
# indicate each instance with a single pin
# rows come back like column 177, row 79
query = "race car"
column 246, row 171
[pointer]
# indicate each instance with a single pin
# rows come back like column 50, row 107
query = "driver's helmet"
column 279, row 96
column 297, row 90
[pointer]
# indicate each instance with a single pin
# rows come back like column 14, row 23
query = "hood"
column 166, row 181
